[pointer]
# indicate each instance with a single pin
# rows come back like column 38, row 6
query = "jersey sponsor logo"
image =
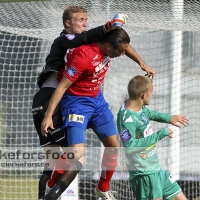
column 76, row 118
column 54, row 131
column 151, row 153
column 103, row 64
column 125, row 135
column 144, row 118
column 148, row 131
column 96, row 63
column 70, row 36
column 99, row 75
column 98, row 68
column 36, row 109
column 71, row 71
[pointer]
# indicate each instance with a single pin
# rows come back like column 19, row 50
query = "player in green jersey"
column 148, row 180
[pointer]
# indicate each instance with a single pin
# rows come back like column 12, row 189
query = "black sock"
column 46, row 174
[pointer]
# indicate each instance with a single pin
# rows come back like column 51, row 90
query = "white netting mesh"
column 27, row 30
column 42, row 19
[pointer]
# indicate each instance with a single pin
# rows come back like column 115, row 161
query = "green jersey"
column 139, row 140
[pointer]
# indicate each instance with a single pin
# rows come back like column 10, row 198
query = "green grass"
column 18, row 189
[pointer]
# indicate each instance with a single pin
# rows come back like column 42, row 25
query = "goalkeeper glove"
column 117, row 22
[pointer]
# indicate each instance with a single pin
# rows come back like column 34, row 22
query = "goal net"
column 166, row 35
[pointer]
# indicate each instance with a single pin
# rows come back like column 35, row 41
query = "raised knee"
column 116, row 145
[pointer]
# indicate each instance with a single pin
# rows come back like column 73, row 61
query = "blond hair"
column 69, row 11
column 138, row 85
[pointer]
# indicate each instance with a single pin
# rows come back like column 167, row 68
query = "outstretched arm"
column 134, row 145
column 175, row 120
column 132, row 54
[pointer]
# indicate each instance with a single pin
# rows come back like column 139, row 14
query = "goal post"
column 166, row 35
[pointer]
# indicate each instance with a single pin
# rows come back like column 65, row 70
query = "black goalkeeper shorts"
column 40, row 104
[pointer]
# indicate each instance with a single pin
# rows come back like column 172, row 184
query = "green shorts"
column 160, row 184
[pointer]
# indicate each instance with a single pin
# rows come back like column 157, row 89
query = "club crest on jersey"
column 144, row 118
column 72, row 71
column 125, row 135
column 70, row 36
column 76, row 118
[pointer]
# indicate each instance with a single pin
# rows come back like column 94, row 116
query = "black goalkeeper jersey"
column 55, row 59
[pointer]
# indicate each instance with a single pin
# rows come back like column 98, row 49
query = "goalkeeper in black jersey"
column 148, row 180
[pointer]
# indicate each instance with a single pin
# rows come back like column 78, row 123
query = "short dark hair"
column 116, row 37
column 69, row 11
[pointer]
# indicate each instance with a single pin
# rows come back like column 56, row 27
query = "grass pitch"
column 18, row 188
